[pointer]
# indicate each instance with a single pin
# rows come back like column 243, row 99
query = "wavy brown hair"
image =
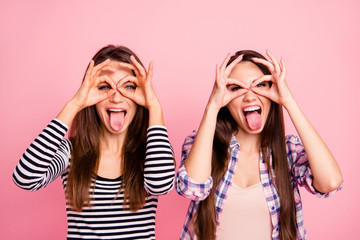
column 84, row 135
column 272, row 137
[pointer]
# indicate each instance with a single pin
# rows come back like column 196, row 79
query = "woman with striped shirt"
column 118, row 158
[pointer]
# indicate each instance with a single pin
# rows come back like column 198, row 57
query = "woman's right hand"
column 198, row 162
column 221, row 95
column 89, row 92
column 93, row 89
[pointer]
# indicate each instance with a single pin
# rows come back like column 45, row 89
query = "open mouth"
column 114, row 110
column 251, row 109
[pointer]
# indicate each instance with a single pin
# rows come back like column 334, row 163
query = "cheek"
column 267, row 106
column 235, row 110
column 98, row 109
column 132, row 109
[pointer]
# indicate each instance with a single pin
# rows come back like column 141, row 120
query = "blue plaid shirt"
column 300, row 172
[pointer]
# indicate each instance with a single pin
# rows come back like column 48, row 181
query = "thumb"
column 261, row 92
column 107, row 94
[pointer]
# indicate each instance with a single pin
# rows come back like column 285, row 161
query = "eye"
column 263, row 84
column 104, row 86
column 130, row 86
column 234, row 87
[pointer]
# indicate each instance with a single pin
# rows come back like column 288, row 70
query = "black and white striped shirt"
column 48, row 157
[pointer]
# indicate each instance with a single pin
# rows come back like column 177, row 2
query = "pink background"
column 46, row 45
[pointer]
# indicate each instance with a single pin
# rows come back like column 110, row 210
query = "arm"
column 45, row 159
column 159, row 167
column 144, row 94
column 185, row 186
column 300, row 167
column 198, row 162
column 48, row 156
column 326, row 172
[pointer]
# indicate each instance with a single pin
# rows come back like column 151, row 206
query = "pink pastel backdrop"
column 46, row 45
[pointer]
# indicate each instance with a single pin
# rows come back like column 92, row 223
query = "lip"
column 251, row 108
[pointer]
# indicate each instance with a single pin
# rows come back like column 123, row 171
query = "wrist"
column 290, row 104
column 75, row 105
column 212, row 108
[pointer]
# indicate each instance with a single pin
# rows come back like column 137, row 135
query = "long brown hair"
column 84, row 135
column 272, row 137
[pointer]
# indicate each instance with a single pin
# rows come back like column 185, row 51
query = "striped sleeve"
column 45, row 159
column 159, row 169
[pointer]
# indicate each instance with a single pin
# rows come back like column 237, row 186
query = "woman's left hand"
column 279, row 91
column 144, row 93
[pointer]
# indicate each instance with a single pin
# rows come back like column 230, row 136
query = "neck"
column 249, row 143
column 111, row 143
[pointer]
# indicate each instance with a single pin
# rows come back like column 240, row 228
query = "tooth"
column 116, row 110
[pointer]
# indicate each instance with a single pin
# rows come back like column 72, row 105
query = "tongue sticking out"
column 117, row 120
column 253, row 120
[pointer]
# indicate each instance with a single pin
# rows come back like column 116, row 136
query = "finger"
column 276, row 64
column 106, row 79
column 217, row 80
column 105, row 95
column 238, row 93
column 262, row 92
column 265, row 62
column 224, row 63
column 283, row 69
column 129, row 94
column 129, row 66
column 138, row 66
column 232, row 65
column 151, row 70
column 89, row 70
column 98, row 68
column 101, row 65
column 126, row 93
column 231, row 81
column 108, row 69
column 128, row 78
column 267, row 78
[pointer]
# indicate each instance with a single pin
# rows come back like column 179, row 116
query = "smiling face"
column 117, row 112
column 250, row 110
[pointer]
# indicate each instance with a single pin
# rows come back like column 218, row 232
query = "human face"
column 117, row 112
column 250, row 110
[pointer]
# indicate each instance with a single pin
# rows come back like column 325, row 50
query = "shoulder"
column 293, row 143
column 189, row 140
column 295, row 150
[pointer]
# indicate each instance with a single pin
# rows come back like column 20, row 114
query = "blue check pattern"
column 300, row 172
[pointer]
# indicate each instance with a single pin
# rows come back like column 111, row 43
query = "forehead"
column 119, row 73
column 246, row 72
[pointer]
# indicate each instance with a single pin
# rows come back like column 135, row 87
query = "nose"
column 249, row 96
column 117, row 97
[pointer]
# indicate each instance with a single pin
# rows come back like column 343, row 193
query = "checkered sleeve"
column 185, row 186
column 300, row 167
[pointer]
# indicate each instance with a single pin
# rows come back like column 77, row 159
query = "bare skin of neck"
column 110, row 159
column 247, row 171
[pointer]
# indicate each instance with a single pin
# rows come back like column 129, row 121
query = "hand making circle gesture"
column 221, row 95
column 143, row 93
column 89, row 93
column 279, row 91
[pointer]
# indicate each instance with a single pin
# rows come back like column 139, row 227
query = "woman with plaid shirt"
column 242, row 131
